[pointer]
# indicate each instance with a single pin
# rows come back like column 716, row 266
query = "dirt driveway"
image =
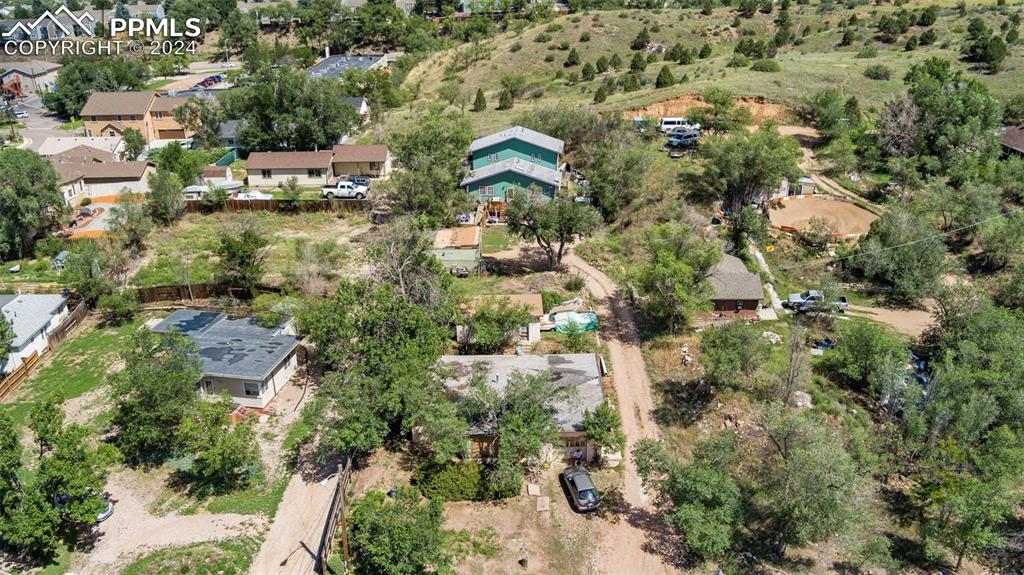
column 636, row 544
column 912, row 322
column 134, row 531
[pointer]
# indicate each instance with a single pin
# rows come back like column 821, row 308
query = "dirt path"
column 291, row 544
column 133, row 531
column 630, row 545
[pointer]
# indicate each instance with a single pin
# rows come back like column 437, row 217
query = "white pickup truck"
column 814, row 300
column 344, row 189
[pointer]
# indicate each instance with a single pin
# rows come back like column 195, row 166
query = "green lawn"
column 196, row 237
column 32, row 271
column 496, row 239
column 72, row 125
column 227, row 557
column 78, row 366
column 157, row 84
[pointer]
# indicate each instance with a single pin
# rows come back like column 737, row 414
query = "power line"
column 912, row 242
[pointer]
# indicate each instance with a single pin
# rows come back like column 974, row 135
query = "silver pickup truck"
column 814, row 300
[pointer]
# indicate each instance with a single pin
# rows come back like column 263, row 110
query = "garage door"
column 171, row 134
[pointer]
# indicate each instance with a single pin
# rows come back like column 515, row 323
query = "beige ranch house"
column 269, row 170
column 250, row 363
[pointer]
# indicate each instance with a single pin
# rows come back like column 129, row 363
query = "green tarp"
column 587, row 321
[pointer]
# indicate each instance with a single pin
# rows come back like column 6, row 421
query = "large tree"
column 202, row 117
column 80, row 77
column 154, row 392
column 672, row 283
column 225, row 453
column 553, row 223
column 746, row 166
column 129, row 222
column 166, row 198
column 902, row 251
column 30, row 199
column 432, row 155
column 243, row 251
column 285, row 108
column 400, row 536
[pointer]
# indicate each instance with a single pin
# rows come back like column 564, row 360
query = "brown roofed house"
column 111, row 113
column 373, row 161
column 736, row 290
column 1013, row 140
column 101, row 180
column 271, row 169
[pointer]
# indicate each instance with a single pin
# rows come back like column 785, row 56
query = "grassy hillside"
column 817, row 62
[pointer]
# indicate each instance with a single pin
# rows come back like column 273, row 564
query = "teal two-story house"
column 514, row 159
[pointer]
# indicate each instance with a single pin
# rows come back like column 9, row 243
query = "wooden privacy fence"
column 18, row 376
column 302, row 206
column 336, row 519
column 59, row 334
column 198, row 291
column 14, row 379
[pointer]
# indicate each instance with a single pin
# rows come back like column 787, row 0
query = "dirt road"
column 133, row 531
column 291, row 544
column 630, row 545
column 912, row 322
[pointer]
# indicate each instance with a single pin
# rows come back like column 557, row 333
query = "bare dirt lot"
column 846, row 218
column 760, row 108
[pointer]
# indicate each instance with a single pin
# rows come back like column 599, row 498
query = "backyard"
column 186, row 251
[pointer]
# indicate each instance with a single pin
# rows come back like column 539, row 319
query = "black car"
column 581, row 488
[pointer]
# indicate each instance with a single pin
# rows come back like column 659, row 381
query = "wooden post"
column 342, row 486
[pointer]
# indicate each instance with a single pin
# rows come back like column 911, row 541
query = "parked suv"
column 581, row 488
column 360, row 180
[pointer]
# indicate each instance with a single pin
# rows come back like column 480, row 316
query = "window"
column 492, row 157
column 486, row 191
column 315, row 173
column 112, row 133
column 376, row 166
column 535, row 157
column 739, row 304
column 266, row 174
column 207, row 386
column 158, row 115
column 92, row 118
column 253, row 389
column 579, row 442
column 120, row 118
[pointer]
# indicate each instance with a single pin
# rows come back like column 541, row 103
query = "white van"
column 669, row 124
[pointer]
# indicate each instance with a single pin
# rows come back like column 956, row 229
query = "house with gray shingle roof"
column 735, row 288
column 249, row 362
column 514, row 159
column 33, row 317
column 578, row 375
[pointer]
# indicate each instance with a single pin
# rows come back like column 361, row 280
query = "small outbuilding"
column 736, row 290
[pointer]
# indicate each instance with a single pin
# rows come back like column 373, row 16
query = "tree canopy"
column 29, row 194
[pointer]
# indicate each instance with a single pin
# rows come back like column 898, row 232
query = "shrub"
column 575, row 283
column 119, row 307
column 86, row 202
column 563, row 45
column 542, row 37
column 878, row 72
column 553, row 27
column 585, row 37
column 766, row 66
column 600, row 95
column 551, row 298
column 50, row 247
column 738, row 61
column 867, row 52
column 450, row 481
column 504, row 480
column 549, row 57
column 516, row 47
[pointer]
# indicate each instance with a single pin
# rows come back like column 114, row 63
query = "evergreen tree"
column 601, row 95
column 616, row 61
column 602, row 64
column 642, row 40
column 705, row 51
column 480, row 102
column 588, row 72
column 638, row 64
column 505, row 101
column 665, row 78
column 573, row 59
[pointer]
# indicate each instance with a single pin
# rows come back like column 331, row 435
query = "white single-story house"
column 269, row 170
column 579, row 373
column 251, row 363
column 33, row 317
column 100, row 179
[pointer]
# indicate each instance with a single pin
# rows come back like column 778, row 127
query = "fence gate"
column 336, row 519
